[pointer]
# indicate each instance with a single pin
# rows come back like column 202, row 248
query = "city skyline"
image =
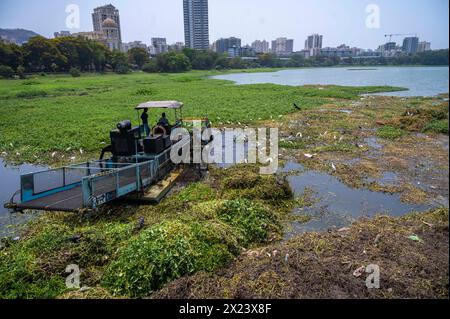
column 156, row 19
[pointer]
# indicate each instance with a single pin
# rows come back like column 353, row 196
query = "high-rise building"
column 234, row 52
column 261, row 46
column 314, row 41
column 131, row 45
column 106, row 19
column 223, row 45
column 247, row 51
column 159, row 41
column 159, row 45
column 390, row 46
column 424, row 46
column 410, row 45
column 196, row 25
column 342, row 51
column 283, row 46
column 289, row 46
column 389, row 49
column 177, row 46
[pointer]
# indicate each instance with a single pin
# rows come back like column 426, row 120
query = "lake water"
column 339, row 205
column 421, row 81
column 9, row 184
column 336, row 205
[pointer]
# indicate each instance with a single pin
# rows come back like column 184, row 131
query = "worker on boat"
column 144, row 118
column 163, row 121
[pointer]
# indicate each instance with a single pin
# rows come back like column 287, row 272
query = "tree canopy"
column 40, row 54
column 138, row 57
column 173, row 62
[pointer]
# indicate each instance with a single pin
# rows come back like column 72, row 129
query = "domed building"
column 109, row 23
column 106, row 20
column 112, row 34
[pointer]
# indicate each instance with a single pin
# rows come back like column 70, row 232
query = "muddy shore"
column 324, row 265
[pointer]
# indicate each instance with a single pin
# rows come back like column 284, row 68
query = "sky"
column 339, row 21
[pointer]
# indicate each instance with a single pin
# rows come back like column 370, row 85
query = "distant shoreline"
column 372, row 69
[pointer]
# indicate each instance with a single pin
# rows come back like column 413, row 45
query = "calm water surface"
column 421, row 81
column 9, row 184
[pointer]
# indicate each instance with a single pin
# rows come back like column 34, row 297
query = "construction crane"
column 399, row 35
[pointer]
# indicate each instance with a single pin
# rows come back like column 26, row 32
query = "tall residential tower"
column 424, row 46
column 410, row 45
column 313, row 44
column 314, row 41
column 261, row 46
column 223, row 45
column 283, row 46
column 196, row 26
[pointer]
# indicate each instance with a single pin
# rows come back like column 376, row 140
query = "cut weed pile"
column 134, row 251
column 432, row 119
column 175, row 248
column 412, row 253
column 236, row 182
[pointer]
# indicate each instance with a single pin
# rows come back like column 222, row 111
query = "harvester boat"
column 140, row 166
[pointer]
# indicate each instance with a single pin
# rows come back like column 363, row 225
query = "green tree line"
column 78, row 54
column 207, row 60
column 66, row 54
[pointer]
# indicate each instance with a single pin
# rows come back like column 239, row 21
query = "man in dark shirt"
column 163, row 121
column 144, row 118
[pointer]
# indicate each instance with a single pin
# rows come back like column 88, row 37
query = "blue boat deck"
column 89, row 185
column 67, row 200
